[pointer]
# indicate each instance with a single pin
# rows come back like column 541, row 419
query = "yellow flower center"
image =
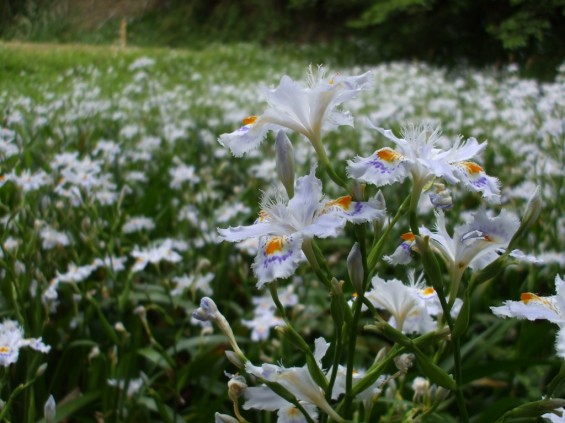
column 4, row 349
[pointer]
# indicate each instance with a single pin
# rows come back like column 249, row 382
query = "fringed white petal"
column 239, row 233
column 278, row 258
column 385, row 166
column 474, row 177
column 355, row 211
column 402, row 254
column 246, row 138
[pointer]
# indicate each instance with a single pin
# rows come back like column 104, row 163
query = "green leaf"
column 68, row 409
column 154, row 357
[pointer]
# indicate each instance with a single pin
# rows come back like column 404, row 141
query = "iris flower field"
column 238, row 234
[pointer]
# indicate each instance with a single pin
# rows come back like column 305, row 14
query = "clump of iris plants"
column 422, row 315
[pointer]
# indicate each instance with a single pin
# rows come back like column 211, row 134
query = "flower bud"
column 533, row 209
column 438, row 394
column 380, row 201
column 207, row 310
column 41, row 369
column 234, row 359
column 403, row 362
column 429, row 261
column 357, row 191
column 49, row 410
column 441, row 197
column 355, row 268
column 236, row 387
column 285, row 162
column 224, row 418
column 421, row 388
column 531, row 215
column 336, row 303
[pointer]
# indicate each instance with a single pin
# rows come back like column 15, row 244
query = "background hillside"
column 527, row 32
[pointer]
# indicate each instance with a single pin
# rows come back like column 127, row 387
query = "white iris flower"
column 533, row 307
column 306, row 110
column 283, row 226
column 416, row 155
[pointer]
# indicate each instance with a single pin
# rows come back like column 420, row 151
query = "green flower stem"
column 414, row 199
column 311, row 257
column 321, row 260
column 335, row 177
column 379, row 367
column 375, row 253
column 352, row 343
column 454, row 288
column 433, row 274
column 361, row 235
column 325, row 162
column 13, row 396
column 335, row 362
column 376, row 370
column 315, row 371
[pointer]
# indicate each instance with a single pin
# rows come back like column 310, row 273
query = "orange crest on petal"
column 526, row 297
column 408, row 236
column 250, row 120
column 274, row 245
column 428, row 291
column 343, row 202
column 388, row 155
column 472, row 168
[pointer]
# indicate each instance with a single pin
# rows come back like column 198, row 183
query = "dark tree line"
column 447, row 31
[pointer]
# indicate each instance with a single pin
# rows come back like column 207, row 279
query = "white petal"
column 384, row 167
column 535, row 308
column 307, row 197
column 278, row 257
column 291, row 414
column 246, row 138
column 320, row 349
column 560, row 343
column 355, row 211
column 463, row 150
column 474, row 177
column 325, row 226
column 239, row 233
column 262, row 398
column 402, row 254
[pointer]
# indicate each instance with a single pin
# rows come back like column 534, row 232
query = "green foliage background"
column 528, row 32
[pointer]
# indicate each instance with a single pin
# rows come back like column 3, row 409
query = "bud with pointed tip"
column 355, row 268
column 234, row 359
column 531, row 215
column 285, row 162
column 224, row 418
column 49, row 410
